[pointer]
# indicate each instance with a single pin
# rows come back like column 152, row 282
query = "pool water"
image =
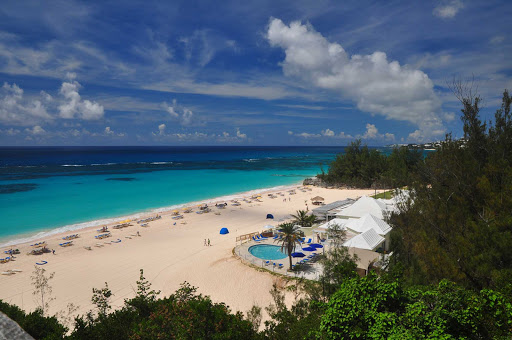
column 267, row 252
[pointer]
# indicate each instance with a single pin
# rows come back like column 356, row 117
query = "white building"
column 362, row 206
column 369, row 240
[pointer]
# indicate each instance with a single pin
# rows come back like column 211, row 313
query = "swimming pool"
column 267, row 252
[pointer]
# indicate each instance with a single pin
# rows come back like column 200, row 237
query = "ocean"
column 45, row 190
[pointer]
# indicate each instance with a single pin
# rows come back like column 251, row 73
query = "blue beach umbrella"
column 224, row 231
column 298, row 254
column 270, row 216
column 309, row 249
column 316, row 245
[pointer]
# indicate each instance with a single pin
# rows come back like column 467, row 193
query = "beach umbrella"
column 317, row 199
column 270, row 216
column 298, row 254
column 316, row 245
column 309, row 249
column 224, row 231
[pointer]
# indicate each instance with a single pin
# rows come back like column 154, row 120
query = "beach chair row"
column 259, row 238
column 5, row 260
column 40, row 244
column 149, row 219
column 274, row 264
column 102, row 236
column 70, row 237
column 66, row 244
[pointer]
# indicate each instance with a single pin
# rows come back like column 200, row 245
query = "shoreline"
column 25, row 238
column 170, row 252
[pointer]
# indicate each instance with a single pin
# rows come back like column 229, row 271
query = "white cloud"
column 290, row 133
column 328, row 133
column 448, row 9
column 161, row 129
column 36, row 130
column 373, row 133
column 109, row 132
column 239, row 134
column 184, row 115
column 15, row 109
column 377, row 85
column 74, row 106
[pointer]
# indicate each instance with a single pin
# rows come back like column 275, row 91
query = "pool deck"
column 310, row 271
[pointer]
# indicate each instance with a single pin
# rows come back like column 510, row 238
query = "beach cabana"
column 224, row 231
column 270, row 217
column 317, row 200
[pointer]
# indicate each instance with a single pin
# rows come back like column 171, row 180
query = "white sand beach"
column 170, row 252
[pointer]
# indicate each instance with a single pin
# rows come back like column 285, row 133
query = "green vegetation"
column 362, row 167
column 303, row 219
column 385, row 195
column 450, row 276
column 290, row 238
column 458, row 224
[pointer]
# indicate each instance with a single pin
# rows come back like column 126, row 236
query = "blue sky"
column 245, row 72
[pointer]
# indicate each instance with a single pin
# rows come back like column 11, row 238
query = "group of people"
column 207, row 243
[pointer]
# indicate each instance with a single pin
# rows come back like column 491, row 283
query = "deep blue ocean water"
column 44, row 188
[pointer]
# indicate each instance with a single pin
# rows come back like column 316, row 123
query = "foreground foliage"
column 381, row 308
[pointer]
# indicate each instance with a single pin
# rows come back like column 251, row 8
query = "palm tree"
column 303, row 219
column 290, row 237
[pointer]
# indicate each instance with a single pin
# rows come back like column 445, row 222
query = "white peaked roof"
column 336, row 221
column 368, row 240
column 367, row 222
column 363, row 206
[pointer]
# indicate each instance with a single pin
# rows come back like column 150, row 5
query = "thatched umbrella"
column 317, row 200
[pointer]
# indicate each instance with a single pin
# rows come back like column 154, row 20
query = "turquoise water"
column 42, row 190
column 267, row 252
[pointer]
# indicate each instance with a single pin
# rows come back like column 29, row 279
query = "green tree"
column 289, row 239
column 42, row 288
column 457, row 224
column 101, row 298
column 303, row 219
column 381, row 308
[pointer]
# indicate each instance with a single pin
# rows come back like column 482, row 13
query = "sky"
column 246, row 72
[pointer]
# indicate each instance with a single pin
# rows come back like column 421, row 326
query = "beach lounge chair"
column 280, row 265
column 267, row 263
column 256, row 239
column 263, row 237
column 275, row 237
column 7, row 273
column 309, row 241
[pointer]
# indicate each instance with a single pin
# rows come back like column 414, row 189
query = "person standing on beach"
column 205, row 242
column 208, row 242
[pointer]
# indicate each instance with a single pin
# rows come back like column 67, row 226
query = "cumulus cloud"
column 109, row 132
column 36, row 130
column 74, row 106
column 239, row 134
column 448, row 9
column 328, row 133
column 161, row 129
column 184, row 115
column 373, row 133
column 17, row 110
column 377, row 85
